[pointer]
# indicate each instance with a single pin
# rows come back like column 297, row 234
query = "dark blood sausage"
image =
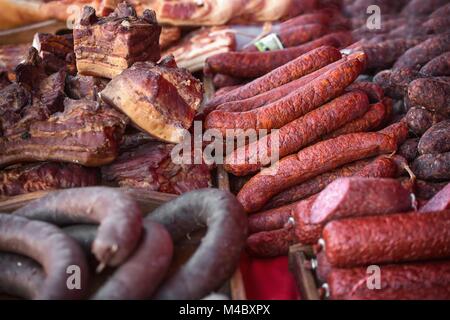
column 20, row 276
column 83, row 234
column 272, row 219
column 420, row 120
column 308, row 232
column 432, row 94
column 422, row 53
column 441, row 201
column 256, row 64
column 432, row 166
column 297, row 68
column 268, row 244
column 218, row 254
column 140, row 275
column 395, row 82
column 427, row 189
column 439, row 66
column 298, row 133
column 51, row 248
column 420, row 7
column 384, row 239
column 314, row 185
column 409, row 281
column 373, row 90
column 273, row 95
column 369, row 121
column 356, row 196
column 408, row 149
column 320, row 90
column 119, row 216
column 309, row 163
column 436, row 139
column 383, row 55
column 443, row 11
column 436, row 25
column 296, row 35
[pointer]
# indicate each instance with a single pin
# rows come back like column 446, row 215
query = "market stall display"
column 303, row 129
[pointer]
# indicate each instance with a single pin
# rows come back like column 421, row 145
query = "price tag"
column 270, row 42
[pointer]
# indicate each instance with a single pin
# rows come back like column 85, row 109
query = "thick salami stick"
column 439, row 66
column 268, row 244
column 373, row 90
column 441, row 201
column 218, row 254
column 355, row 196
column 298, row 133
column 422, row 53
column 371, row 120
column 323, row 267
column 273, row 95
column 384, row 239
column 223, row 80
column 51, row 248
column 430, row 280
column 315, row 185
column 300, row 102
column 297, row 68
column 308, row 232
column 310, row 162
column 119, row 216
column 256, row 64
column 271, row 219
column 398, row 131
column 144, row 270
column 20, row 276
column 296, row 35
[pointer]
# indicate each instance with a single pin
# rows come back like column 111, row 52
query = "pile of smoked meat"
column 359, row 114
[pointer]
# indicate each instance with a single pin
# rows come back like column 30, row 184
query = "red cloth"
column 268, row 279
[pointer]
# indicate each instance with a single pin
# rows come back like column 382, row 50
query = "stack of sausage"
column 53, row 249
column 417, row 63
column 374, row 247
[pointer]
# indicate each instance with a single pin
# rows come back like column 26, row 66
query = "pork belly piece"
column 192, row 52
column 56, row 52
column 86, row 133
column 150, row 166
column 33, row 97
column 104, row 47
column 84, row 87
column 11, row 56
column 44, row 176
column 169, row 35
column 160, row 99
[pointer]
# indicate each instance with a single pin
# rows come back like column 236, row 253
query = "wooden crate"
column 301, row 266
